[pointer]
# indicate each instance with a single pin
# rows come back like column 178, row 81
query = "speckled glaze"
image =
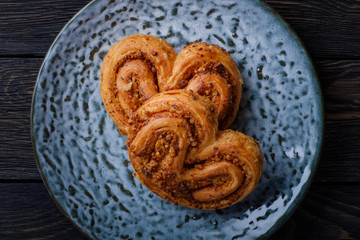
column 83, row 159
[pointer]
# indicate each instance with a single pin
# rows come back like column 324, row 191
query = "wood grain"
column 17, row 79
column 29, row 27
column 329, row 29
column 339, row 81
column 29, row 213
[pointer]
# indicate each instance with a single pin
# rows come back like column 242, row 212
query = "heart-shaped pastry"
column 173, row 140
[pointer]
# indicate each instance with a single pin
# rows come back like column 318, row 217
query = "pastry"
column 177, row 152
column 133, row 71
column 172, row 107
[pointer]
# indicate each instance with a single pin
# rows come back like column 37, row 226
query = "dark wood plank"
column 341, row 152
column 17, row 80
column 327, row 212
column 28, row 212
column 340, row 83
column 329, row 29
column 29, row 27
column 339, row 80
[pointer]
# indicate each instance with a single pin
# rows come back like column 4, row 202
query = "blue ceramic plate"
column 83, row 159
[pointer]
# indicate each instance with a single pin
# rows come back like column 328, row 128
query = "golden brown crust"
column 211, row 72
column 173, row 140
column 134, row 70
column 178, row 153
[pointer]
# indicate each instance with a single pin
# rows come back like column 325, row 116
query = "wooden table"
column 329, row 29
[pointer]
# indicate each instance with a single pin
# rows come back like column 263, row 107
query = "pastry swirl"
column 134, row 70
column 172, row 107
column 209, row 71
column 177, row 152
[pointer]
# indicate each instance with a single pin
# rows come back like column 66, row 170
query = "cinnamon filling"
column 136, row 82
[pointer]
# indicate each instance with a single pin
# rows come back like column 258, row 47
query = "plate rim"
column 315, row 160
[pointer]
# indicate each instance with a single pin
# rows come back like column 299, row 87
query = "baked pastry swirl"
column 177, row 152
column 134, row 70
column 209, row 71
column 172, row 107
